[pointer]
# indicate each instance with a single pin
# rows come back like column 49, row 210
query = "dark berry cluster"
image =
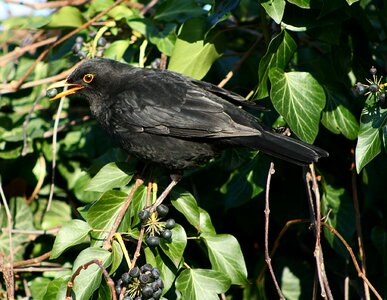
column 80, row 48
column 374, row 87
column 141, row 283
column 155, row 228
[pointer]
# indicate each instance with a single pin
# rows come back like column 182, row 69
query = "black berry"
column 170, row 223
column 143, row 214
column 134, row 272
column 118, row 289
column 144, row 278
column 76, row 48
column 166, row 234
column 51, row 93
column 162, row 210
column 153, row 241
column 155, row 273
column 79, row 40
column 128, row 298
column 374, row 88
column 157, row 294
column 160, row 283
column 82, row 54
column 102, row 42
column 373, row 71
column 125, row 277
column 360, row 88
column 147, row 292
column 146, row 267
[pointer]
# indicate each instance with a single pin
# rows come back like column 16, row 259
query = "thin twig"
column 107, row 243
column 54, row 143
column 32, row 260
column 277, row 243
column 148, row 7
column 267, row 213
column 353, row 257
column 9, row 271
column 20, row 51
column 39, row 269
column 50, row 133
column 108, row 279
column 359, row 232
column 315, row 216
column 174, row 180
column 53, row 4
column 64, row 38
column 52, row 231
column 240, row 62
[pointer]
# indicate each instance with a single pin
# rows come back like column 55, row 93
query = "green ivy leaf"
column 226, row 256
column 72, row 233
column 101, row 214
column 175, row 249
column 56, row 288
column 275, row 9
column 205, row 223
column 193, row 55
column 117, row 256
column 112, row 175
column 299, row 98
column 369, row 144
column 301, row 3
column 197, row 284
column 38, row 287
column 336, row 116
column 117, row 49
column 89, row 279
column 278, row 54
column 67, row 16
column 185, row 203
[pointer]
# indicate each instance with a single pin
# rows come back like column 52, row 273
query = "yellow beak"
column 72, row 90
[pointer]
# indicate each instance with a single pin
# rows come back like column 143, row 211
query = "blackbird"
column 173, row 120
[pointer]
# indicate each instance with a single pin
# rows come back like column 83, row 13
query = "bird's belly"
column 173, row 153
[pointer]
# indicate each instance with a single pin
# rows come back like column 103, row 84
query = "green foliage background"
column 300, row 58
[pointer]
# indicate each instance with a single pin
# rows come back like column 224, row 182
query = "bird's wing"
column 169, row 104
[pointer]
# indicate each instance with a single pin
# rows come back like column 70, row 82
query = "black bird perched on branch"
column 173, row 120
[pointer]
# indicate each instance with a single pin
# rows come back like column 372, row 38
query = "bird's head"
column 96, row 78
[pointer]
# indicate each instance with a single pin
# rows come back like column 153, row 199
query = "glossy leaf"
column 175, row 249
column 72, row 233
column 112, row 175
column 299, row 98
column 67, row 16
column 185, row 203
column 226, row 256
column 274, row 8
column 369, row 144
column 89, row 279
column 278, row 54
column 193, row 55
column 201, row 284
column 336, row 116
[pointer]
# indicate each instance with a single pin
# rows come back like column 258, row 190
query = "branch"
column 358, row 269
column 267, row 212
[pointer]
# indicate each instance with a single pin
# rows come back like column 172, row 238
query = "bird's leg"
column 175, row 178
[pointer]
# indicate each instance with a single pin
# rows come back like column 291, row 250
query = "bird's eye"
column 88, row 78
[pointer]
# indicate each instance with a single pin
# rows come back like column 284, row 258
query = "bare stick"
column 355, row 263
column 267, row 213
column 32, row 260
column 107, row 243
column 98, row 262
column 174, row 180
column 315, row 216
column 277, row 242
column 67, row 36
column 8, row 272
column 54, row 139
column 358, row 228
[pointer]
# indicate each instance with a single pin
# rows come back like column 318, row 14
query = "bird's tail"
column 284, row 147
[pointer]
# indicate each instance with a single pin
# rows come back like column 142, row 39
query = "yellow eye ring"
column 88, row 78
